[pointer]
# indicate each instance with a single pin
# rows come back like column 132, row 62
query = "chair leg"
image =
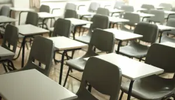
column 140, row 59
column 121, row 95
column 11, row 66
column 89, row 88
column 65, row 81
column 5, row 68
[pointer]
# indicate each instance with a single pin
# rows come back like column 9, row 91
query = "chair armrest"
column 80, row 6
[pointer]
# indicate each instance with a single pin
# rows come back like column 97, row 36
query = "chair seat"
column 79, row 63
column 148, row 89
column 84, row 39
column 167, row 39
column 134, row 50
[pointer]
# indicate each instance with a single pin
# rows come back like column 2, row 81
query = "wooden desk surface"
column 32, row 85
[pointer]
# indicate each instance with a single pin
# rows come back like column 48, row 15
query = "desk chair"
column 166, row 37
column 70, row 14
column 148, row 7
column 70, row 6
column 127, row 8
column 166, row 6
column 43, row 8
column 101, row 40
column 41, row 55
column 92, row 7
column 10, row 40
column 119, row 4
column 98, row 21
column 135, row 48
column 155, row 87
column 133, row 18
column 159, row 16
column 5, row 11
column 32, row 18
column 105, row 83
column 103, row 11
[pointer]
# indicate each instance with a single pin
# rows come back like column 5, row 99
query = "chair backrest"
column 119, row 4
column 70, row 6
column 161, row 56
column 148, row 7
column 93, row 7
column 70, row 14
column 159, row 16
column 10, row 38
column 127, row 8
column 108, row 83
column 99, row 21
column 5, row 11
column 166, row 6
column 171, row 22
column 44, row 8
column 62, row 27
column 149, row 32
column 42, row 51
column 101, row 40
column 103, row 11
column 32, row 18
column 132, row 17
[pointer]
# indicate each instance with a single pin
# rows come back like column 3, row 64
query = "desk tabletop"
column 4, row 52
column 76, row 22
column 130, row 68
column 4, row 19
column 115, row 11
column 123, row 35
column 117, row 20
column 165, row 28
column 144, row 14
column 46, row 15
column 31, row 30
column 85, row 13
column 170, row 44
column 21, row 9
column 32, row 85
column 64, row 43
column 169, row 12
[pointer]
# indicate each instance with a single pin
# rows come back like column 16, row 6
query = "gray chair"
column 155, row 87
column 159, row 16
column 119, row 4
column 41, row 55
column 104, row 83
column 10, row 40
column 166, row 6
column 44, row 8
column 171, row 15
column 32, row 18
column 103, row 11
column 133, row 18
column 127, row 8
column 98, row 21
column 62, row 27
column 5, row 11
column 70, row 6
column 135, row 48
column 166, row 35
column 148, row 7
column 70, row 14
column 101, row 40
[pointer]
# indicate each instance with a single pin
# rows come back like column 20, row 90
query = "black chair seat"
column 134, row 50
column 84, row 39
column 150, row 88
column 167, row 39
